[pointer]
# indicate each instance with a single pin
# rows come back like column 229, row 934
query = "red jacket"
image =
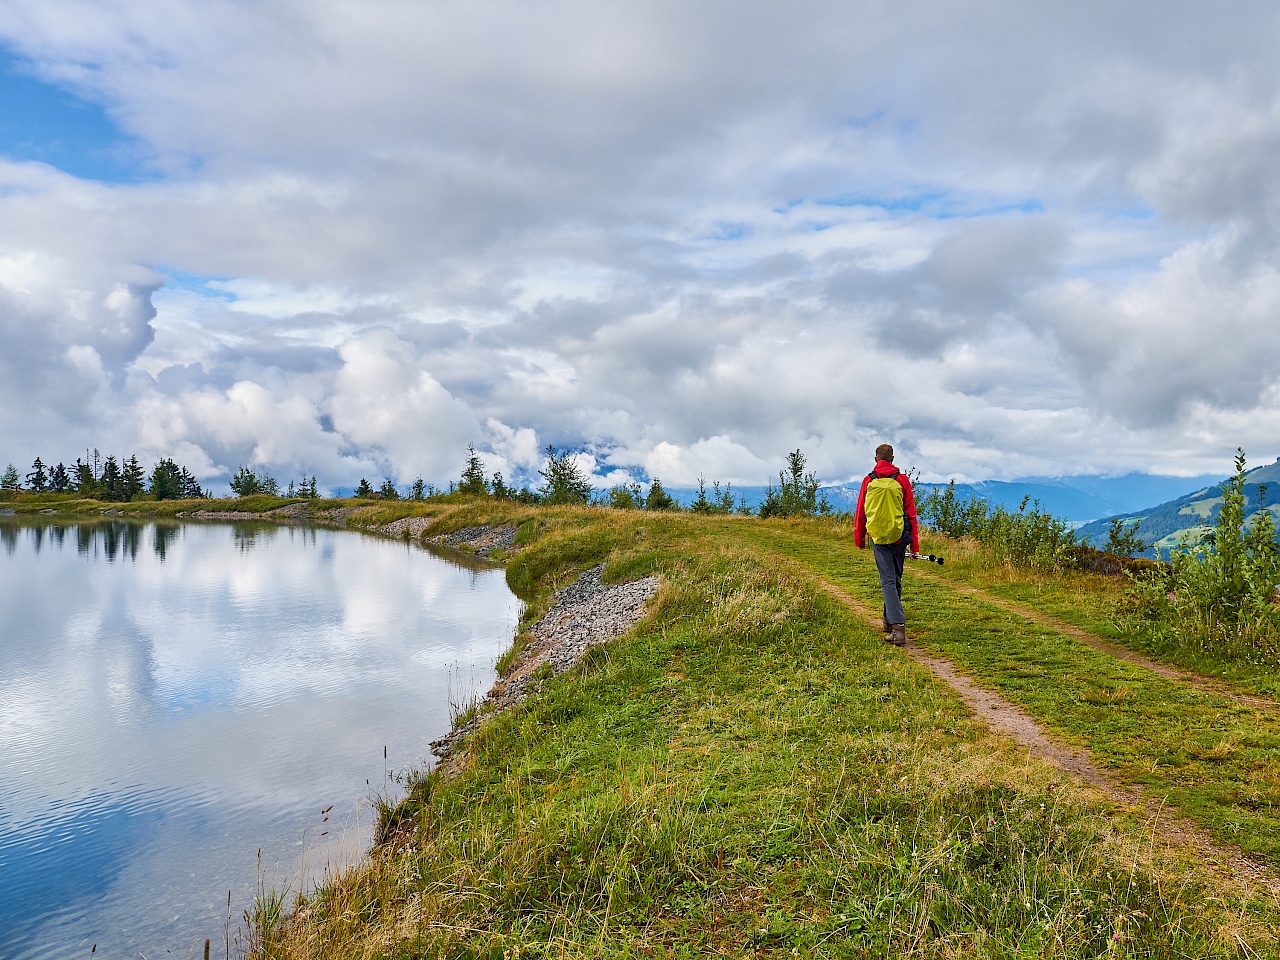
column 884, row 468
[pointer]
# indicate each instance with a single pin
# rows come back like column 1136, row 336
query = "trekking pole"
column 926, row 556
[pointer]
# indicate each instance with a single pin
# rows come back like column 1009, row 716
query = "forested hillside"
column 1190, row 517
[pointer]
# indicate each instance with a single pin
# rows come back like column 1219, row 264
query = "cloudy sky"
column 349, row 238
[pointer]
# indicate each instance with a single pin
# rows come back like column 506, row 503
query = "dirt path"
column 1202, row 683
column 1005, row 718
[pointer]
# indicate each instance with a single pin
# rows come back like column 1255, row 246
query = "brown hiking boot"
column 898, row 636
column 886, row 626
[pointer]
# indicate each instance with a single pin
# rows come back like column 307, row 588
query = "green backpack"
column 886, row 520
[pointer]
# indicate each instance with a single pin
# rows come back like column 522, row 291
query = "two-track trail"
column 1207, row 684
column 1098, row 712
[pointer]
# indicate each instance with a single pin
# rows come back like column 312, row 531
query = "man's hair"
column 884, row 452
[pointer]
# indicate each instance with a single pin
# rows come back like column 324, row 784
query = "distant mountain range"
column 1167, row 524
column 1079, row 499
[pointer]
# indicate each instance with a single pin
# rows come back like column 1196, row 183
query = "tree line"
column 108, row 478
column 565, row 483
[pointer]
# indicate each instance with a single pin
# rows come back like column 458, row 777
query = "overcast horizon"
column 350, row 239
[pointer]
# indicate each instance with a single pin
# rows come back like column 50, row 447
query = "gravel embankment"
column 481, row 540
column 586, row 613
column 412, row 527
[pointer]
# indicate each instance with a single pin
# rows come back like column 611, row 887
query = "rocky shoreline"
column 483, row 541
column 586, row 613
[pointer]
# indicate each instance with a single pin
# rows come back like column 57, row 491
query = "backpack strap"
column 884, row 476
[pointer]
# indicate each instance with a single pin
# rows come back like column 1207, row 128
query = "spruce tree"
column 473, row 481
column 266, row 482
column 37, row 479
column 363, row 489
column 82, row 478
column 388, row 490
column 166, row 481
column 500, row 490
column 722, row 500
column 564, row 481
column 111, row 483
column 700, row 503
column 132, row 478
column 419, row 489
column 10, row 480
column 658, row 498
column 797, row 493
column 190, row 486
column 59, row 480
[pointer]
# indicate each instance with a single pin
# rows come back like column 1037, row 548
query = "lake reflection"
column 175, row 697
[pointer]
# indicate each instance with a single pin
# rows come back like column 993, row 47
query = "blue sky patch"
column 938, row 204
column 44, row 123
column 731, row 231
column 201, row 284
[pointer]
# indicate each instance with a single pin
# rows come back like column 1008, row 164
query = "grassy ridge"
column 753, row 771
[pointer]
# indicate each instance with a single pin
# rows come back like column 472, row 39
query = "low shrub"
column 1031, row 537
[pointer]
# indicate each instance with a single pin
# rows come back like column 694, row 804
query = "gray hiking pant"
column 890, row 558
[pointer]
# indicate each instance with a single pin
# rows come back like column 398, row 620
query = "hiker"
column 887, row 512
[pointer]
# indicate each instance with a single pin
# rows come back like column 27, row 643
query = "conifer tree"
column 191, row 486
column 82, row 478
column 363, row 489
column 59, row 481
column 658, row 498
column 564, row 481
column 111, row 483
column 722, row 500
column 700, row 503
column 500, row 490
column 166, row 481
column 132, row 478
column 473, row 481
column 797, row 493
column 419, row 489
column 37, row 479
column 245, row 483
column 10, row 480
column 388, row 490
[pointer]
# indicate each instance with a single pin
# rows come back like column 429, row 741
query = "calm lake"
column 175, row 697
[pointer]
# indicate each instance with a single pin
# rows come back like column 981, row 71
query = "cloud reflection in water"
column 173, row 697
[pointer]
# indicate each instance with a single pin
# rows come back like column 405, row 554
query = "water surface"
column 175, row 697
